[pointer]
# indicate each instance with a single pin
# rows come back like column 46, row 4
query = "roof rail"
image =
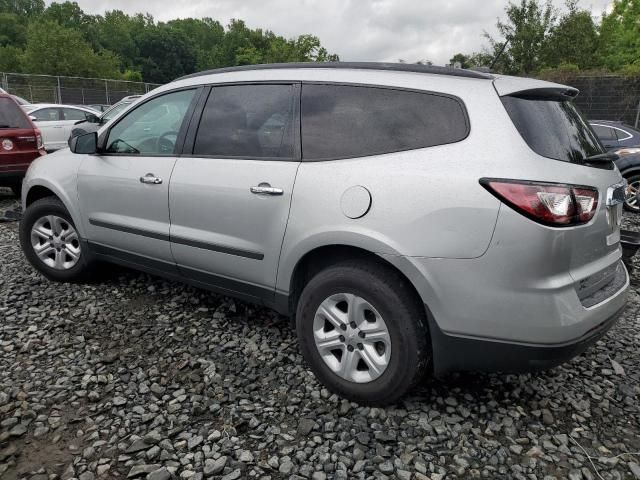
column 398, row 67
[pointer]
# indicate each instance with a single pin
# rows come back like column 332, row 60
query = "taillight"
column 39, row 143
column 553, row 204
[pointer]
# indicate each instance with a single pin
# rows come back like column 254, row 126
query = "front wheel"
column 363, row 332
column 632, row 202
column 51, row 243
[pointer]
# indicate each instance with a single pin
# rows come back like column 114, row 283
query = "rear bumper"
column 457, row 353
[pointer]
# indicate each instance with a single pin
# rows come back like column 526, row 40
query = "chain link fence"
column 71, row 90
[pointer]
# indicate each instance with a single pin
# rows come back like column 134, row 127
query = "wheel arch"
column 318, row 258
column 630, row 171
column 37, row 190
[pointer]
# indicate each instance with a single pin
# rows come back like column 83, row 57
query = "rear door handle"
column 151, row 179
column 266, row 189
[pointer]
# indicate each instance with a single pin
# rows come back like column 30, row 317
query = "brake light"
column 553, row 204
column 39, row 142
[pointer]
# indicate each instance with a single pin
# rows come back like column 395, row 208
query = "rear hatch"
column 551, row 125
column 20, row 141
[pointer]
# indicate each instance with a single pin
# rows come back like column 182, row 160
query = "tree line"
column 61, row 39
column 540, row 40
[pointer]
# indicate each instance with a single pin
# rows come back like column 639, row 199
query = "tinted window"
column 46, row 114
column 153, row 127
column 605, row 133
column 351, row 121
column 248, row 121
column 553, row 128
column 11, row 115
column 74, row 114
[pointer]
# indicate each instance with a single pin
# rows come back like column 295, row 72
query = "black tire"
column 391, row 295
column 633, row 178
column 38, row 209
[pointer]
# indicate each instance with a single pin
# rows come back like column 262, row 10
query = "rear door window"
column 344, row 121
column 74, row 114
column 46, row 114
column 248, row 121
column 553, row 128
column 11, row 115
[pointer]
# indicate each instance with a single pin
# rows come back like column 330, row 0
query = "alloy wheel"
column 352, row 338
column 55, row 242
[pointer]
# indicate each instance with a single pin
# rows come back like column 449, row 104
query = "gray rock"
column 305, row 426
column 138, row 470
column 18, row 430
column 286, row 467
column 153, row 437
column 386, row 467
column 138, row 445
column 237, row 473
column 159, row 474
column 213, row 467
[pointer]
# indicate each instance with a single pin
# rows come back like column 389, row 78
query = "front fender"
column 57, row 172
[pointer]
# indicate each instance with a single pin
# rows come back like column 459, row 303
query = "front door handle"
column 151, row 179
column 266, row 189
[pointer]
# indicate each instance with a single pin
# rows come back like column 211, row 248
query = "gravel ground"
column 136, row 377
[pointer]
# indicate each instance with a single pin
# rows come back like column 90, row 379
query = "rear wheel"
column 632, row 203
column 362, row 332
column 51, row 243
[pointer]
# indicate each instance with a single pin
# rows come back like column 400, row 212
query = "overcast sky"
column 357, row 30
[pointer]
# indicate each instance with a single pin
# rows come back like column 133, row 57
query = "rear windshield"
column 553, row 128
column 11, row 115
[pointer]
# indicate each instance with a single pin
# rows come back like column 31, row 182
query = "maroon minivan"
column 20, row 143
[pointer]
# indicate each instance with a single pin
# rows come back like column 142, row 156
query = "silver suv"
column 408, row 218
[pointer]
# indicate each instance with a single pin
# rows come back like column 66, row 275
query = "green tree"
column 12, row 30
column 10, row 59
column 573, row 40
column 525, row 29
column 22, row 8
column 55, row 50
column 165, row 54
column 619, row 41
column 69, row 15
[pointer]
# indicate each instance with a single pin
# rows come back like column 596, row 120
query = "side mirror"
column 84, row 144
column 32, row 118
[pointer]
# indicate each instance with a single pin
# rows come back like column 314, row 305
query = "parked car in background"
column 22, row 102
column 327, row 191
column 56, row 121
column 629, row 166
column 617, row 137
column 20, row 143
column 93, row 124
column 99, row 107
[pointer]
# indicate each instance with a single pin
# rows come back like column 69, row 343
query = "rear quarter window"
column 344, row 121
column 553, row 128
column 11, row 115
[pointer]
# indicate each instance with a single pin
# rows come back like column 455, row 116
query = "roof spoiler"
column 533, row 88
column 566, row 93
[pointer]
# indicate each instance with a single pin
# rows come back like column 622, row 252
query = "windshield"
column 553, row 128
column 12, row 116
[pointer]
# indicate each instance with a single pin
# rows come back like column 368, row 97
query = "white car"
column 56, row 121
